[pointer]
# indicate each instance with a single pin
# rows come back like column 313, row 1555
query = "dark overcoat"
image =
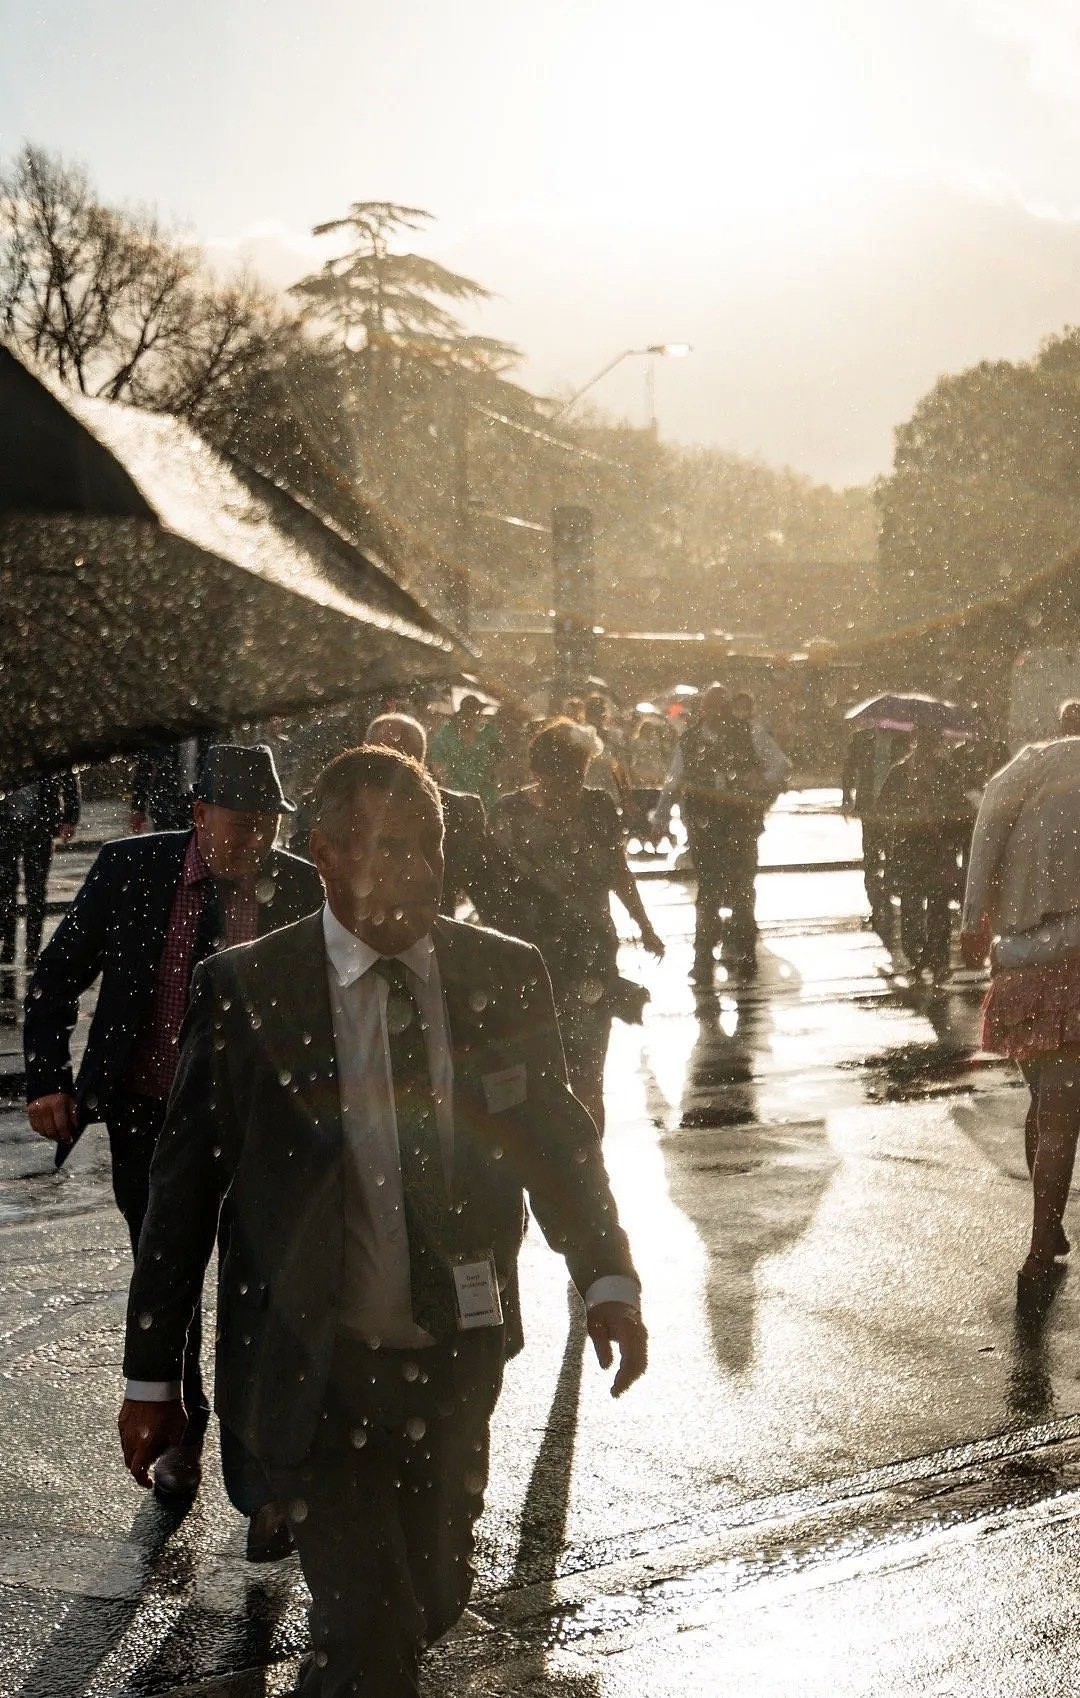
column 115, row 932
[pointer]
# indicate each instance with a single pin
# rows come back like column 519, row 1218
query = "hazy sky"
column 833, row 200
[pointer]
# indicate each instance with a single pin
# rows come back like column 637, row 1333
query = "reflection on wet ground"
column 824, row 1184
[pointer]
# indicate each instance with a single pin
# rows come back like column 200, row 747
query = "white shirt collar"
column 351, row 957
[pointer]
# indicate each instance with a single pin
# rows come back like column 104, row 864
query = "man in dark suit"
column 867, row 763
column 30, row 819
column 150, row 909
column 387, row 1085
column 468, row 852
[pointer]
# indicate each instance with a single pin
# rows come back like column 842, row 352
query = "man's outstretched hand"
column 54, row 1116
column 147, row 1431
column 618, row 1324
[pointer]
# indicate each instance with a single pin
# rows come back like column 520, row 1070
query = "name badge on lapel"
column 477, row 1291
column 505, row 1089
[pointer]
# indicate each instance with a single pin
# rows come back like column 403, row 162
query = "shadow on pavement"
column 750, row 1187
column 93, row 1628
column 541, row 1538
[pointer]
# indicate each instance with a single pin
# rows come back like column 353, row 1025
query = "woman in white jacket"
column 1022, row 906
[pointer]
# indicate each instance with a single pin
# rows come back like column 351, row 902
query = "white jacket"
column 1025, row 853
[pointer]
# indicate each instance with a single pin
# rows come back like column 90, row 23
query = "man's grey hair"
column 398, row 731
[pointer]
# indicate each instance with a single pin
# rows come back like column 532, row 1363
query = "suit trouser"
column 923, row 882
column 133, row 1124
column 383, row 1508
column 725, row 856
column 30, row 847
column 875, row 842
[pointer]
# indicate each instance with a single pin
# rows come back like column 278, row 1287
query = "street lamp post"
column 663, row 350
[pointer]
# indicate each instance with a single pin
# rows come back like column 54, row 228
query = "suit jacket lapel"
column 466, row 1005
column 299, row 1033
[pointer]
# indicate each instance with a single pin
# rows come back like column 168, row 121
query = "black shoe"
column 269, row 1537
column 1035, row 1288
column 178, row 1472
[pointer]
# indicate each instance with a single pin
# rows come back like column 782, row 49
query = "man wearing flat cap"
column 151, row 909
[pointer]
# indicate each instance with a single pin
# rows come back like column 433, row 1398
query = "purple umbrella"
column 898, row 711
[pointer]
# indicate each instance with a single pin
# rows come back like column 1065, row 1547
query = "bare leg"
column 1031, row 1129
column 1055, row 1153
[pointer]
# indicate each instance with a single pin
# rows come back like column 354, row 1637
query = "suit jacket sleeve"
column 68, row 966
column 563, row 1166
column 193, row 1166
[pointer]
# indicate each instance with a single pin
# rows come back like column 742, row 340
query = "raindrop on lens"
column 398, row 1015
column 410, row 1370
column 478, row 1001
column 146, row 1321
column 358, row 1438
column 474, row 1484
column 415, row 1427
column 298, row 1510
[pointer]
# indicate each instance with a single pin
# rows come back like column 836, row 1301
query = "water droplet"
column 415, row 1428
column 410, row 1370
column 478, row 1001
column 320, row 1659
column 358, row 1438
column 146, row 1321
column 284, row 1077
column 298, row 1510
column 474, row 1483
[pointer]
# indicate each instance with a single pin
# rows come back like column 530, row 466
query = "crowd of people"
column 354, row 1107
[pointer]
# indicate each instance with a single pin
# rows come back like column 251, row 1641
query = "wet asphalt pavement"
column 849, row 1470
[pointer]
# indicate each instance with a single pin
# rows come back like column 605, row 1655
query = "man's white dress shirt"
column 376, row 1295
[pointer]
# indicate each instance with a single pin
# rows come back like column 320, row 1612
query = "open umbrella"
column 154, row 588
column 900, row 711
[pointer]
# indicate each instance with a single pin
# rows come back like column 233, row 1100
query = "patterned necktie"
column 428, row 1218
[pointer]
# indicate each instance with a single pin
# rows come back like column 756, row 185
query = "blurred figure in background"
column 564, row 849
column 649, row 758
column 720, row 783
column 465, row 752
column 1022, row 906
column 606, row 770
column 921, row 810
column 775, row 772
column 870, row 756
column 31, row 818
column 465, row 843
column 163, row 785
column 512, row 725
